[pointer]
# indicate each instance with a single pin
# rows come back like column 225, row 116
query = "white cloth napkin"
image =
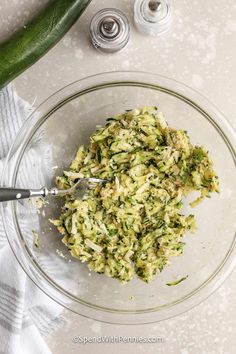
column 26, row 314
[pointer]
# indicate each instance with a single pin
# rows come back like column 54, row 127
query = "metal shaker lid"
column 109, row 30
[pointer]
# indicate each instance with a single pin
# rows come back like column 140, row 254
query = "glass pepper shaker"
column 109, row 30
column 153, row 17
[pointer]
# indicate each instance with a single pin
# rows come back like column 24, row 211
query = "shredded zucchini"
column 133, row 224
column 36, row 238
column 176, row 282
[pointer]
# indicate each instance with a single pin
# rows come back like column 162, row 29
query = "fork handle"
column 13, row 194
column 7, row 194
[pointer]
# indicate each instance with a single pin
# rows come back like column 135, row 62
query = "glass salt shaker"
column 109, row 30
column 153, row 17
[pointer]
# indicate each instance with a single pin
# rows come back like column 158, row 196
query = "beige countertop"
column 200, row 51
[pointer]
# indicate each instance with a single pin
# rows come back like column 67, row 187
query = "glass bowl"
column 46, row 145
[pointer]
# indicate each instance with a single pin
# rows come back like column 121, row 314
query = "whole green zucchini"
column 30, row 43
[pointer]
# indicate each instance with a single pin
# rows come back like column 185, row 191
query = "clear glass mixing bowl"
column 46, row 145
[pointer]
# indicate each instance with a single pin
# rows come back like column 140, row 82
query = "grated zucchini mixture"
column 133, row 223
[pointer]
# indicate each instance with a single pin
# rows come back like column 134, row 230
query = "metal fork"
column 78, row 189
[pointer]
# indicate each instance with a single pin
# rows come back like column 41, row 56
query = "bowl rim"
column 194, row 98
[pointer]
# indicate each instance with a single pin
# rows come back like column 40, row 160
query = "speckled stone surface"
column 200, row 51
